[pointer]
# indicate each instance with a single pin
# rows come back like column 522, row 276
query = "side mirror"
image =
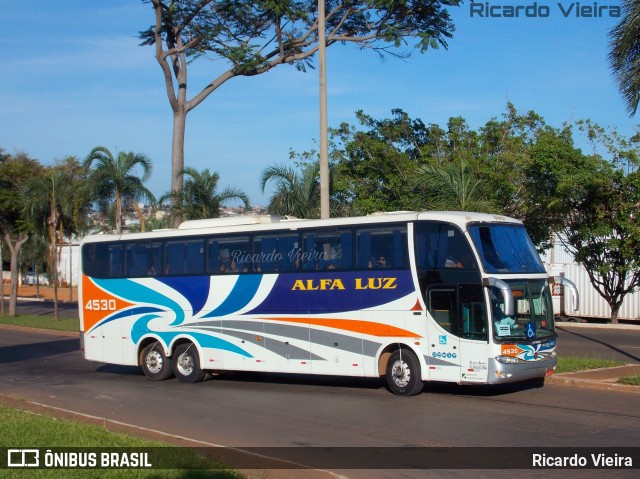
column 572, row 287
column 505, row 290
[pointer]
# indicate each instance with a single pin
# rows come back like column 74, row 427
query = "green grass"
column 25, row 429
column 570, row 364
column 630, row 380
column 42, row 322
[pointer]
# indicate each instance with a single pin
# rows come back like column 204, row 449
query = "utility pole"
column 324, row 141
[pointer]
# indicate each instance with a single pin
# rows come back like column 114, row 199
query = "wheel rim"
column 401, row 374
column 154, row 362
column 185, row 364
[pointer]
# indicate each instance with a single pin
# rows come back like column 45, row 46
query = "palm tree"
column 453, row 188
column 295, row 194
column 199, row 198
column 624, row 56
column 298, row 194
column 113, row 180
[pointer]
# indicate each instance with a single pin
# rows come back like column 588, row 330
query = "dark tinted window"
column 382, row 247
column 185, row 256
column 441, row 245
column 103, row 260
column 325, row 249
column 143, row 259
column 275, row 252
column 230, row 254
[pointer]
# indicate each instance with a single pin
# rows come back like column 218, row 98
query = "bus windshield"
column 533, row 312
column 506, row 249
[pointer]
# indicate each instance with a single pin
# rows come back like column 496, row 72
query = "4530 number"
column 101, row 305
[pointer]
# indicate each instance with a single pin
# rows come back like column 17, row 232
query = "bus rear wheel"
column 403, row 373
column 155, row 364
column 186, row 364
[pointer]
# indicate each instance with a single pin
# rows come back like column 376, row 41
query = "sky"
column 73, row 77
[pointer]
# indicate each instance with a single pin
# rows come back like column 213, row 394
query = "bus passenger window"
column 143, row 259
column 229, row 254
column 382, row 247
column 184, row 257
column 325, row 250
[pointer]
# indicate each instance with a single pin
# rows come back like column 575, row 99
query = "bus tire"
column 186, row 364
column 155, row 364
column 403, row 373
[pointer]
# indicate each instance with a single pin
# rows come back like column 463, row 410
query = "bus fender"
column 385, row 352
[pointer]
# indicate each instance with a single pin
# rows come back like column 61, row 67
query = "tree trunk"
column 70, row 271
column 615, row 309
column 117, row 206
column 14, row 249
column 54, row 263
column 177, row 156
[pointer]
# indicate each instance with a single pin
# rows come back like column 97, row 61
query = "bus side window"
column 443, row 307
column 327, row 249
column 473, row 310
column 459, row 310
column 382, row 247
column 116, row 261
column 454, row 250
column 142, row 259
column 184, row 257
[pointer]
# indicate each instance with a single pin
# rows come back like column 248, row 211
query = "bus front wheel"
column 186, row 364
column 155, row 364
column 403, row 373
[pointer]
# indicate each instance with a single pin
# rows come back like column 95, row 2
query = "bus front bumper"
column 500, row 372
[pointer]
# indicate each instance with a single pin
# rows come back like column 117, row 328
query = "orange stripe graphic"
column 97, row 304
column 355, row 326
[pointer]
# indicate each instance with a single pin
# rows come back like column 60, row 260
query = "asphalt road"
column 44, row 308
column 245, row 410
column 604, row 343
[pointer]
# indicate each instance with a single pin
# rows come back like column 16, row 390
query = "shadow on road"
column 120, row 370
column 25, row 352
column 603, row 343
column 431, row 387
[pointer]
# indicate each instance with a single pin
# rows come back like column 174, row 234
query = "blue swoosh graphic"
column 135, row 293
column 242, row 293
column 127, row 312
column 140, row 328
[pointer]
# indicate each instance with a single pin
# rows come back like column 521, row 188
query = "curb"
column 608, row 385
column 53, row 332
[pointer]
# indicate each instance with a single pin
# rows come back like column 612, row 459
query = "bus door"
column 458, row 347
column 443, row 341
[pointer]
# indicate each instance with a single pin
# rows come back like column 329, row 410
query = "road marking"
column 105, row 421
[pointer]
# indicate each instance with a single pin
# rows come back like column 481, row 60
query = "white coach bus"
column 410, row 296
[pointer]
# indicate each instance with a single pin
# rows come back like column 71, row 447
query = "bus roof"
column 250, row 223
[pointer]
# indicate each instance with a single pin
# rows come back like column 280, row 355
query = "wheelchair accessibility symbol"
column 531, row 331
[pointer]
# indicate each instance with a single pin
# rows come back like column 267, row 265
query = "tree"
column 199, row 198
column 15, row 171
column 49, row 197
column 454, row 188
column 296, row 194
column 602, row 228
column 377, row 166
column 254, row 37
column 623, row 56
column 114, row 180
